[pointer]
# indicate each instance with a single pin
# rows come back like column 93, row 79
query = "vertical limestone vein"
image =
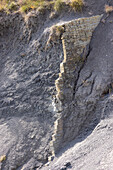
column 75, row 39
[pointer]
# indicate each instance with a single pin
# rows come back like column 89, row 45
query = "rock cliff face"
column 56, row 83
column 93, row 101
column 76, row 47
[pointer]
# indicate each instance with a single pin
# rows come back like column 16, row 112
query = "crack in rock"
column 86, row 57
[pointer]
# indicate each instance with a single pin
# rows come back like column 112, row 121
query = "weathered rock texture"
column 91, row 112
column 31, row 51
column 28, row 71
column 75, row 39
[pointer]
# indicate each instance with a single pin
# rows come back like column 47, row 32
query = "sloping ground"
column 28, row 71
column 27, row 76
column 95, row 152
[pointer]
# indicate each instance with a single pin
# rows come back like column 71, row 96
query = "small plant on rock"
column 59, row 30
column 108, row 8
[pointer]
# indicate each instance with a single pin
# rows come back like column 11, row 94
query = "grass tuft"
column 77, row 5
column 29, row 5
column 25, row 6
column 58, row 5
column 12, row 6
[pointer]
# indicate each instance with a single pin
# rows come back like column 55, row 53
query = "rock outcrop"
column 75, row 39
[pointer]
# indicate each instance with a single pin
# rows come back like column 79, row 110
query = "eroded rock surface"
column 27, row 74
column 93, row 100
column 76, row 46
column 30, row 56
